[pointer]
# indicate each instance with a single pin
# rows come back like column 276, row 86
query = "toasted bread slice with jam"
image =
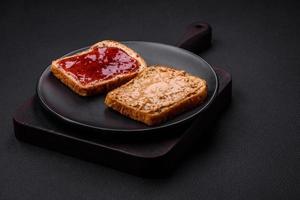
column 103, row 67
column 158, row 93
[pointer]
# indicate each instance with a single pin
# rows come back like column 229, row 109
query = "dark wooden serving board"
column 148, row 157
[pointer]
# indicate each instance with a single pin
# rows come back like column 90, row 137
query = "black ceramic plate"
column 91, row 112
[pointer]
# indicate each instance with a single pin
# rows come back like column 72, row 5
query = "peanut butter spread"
column 157, row 88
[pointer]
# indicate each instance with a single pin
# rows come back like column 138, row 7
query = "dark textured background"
column 255, row 153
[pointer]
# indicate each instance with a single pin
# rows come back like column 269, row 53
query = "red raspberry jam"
column 99, row 64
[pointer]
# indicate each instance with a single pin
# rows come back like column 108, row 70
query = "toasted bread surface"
column 101, row 85
column 158, row 93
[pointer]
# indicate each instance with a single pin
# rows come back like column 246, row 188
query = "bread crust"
column 154, row 117
column 99, row 86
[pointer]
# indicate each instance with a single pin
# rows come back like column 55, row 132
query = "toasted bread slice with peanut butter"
column 156, row 94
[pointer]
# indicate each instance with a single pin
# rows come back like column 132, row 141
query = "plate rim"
column 150, row 128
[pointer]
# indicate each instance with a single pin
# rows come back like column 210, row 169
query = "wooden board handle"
column 197, row 37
